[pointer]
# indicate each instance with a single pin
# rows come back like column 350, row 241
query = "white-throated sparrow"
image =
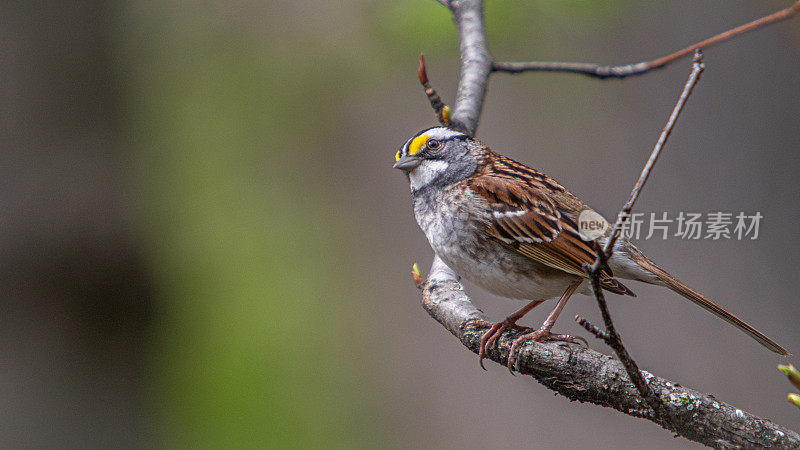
column 514, row 231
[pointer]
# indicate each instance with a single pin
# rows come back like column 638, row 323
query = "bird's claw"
column 492, row 334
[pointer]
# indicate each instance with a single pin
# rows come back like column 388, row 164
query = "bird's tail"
column 699, row 299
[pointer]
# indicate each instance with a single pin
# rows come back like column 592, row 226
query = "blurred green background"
column 205, row 244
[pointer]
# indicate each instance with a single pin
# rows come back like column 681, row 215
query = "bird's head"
column 436, row 156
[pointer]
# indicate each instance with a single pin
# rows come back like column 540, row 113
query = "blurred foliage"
column 254, row 327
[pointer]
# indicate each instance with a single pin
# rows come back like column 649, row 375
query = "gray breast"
column 449, row 219
column 453, row 222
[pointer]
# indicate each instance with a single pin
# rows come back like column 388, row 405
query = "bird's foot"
column 536, row 336
column 495, row 331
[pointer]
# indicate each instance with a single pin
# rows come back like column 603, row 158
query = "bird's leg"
column 497, row 329
column 544, row 330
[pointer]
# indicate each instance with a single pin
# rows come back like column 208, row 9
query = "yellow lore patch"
column 397, row 156
column 416, row 145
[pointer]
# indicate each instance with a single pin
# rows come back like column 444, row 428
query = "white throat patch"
column 426, row 172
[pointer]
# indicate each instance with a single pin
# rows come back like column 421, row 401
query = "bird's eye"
column 433, row 144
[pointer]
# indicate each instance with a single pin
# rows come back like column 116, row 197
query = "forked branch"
column 610, row 336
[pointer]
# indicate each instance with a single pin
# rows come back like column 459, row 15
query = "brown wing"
column 532, row 214
column 519, row 214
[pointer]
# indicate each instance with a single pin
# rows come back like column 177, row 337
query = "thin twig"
column 592, row 328
column 612, row 338
column 608, row 248
column 441, row 110
column 614, row 341
column 601, row 71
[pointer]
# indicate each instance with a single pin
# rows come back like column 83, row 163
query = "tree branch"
column 600, row 71
column 585, row 375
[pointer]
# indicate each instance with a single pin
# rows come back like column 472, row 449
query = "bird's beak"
column 407, row 163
